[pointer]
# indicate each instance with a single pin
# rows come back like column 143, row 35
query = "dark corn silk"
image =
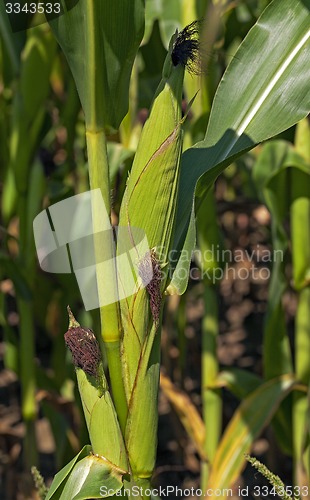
column 186, row 48
column 84, row 347
column 150, row 273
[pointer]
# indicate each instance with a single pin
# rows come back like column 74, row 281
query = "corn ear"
column 100, row 415
column 153, row 185
column 149, row 204
column 153, row 181
column 300, row 224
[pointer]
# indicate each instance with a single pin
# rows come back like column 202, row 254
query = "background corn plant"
column 264, row 91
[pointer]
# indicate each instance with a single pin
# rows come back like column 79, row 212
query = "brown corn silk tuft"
column 84, row 347
column 150, row 273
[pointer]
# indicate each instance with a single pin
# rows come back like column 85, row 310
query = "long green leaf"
column 250, row 418
column 61, row 477
column 93, row 477
column 240, row 382
column 264, row 91
column 100, row 40
column 300, row 224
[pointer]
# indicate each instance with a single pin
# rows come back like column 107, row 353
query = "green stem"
column 211, row 399
column 118, row 392
column 105, row 251
column 300, row 237
column 300, row 401
column 8, row 40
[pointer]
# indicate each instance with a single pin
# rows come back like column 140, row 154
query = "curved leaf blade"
column 100, row 41
column 250, row 418
column 264, row 91
column 273, row 92
column 93, row 477
column 240, row 382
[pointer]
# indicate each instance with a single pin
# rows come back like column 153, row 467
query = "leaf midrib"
column 91, row 51
column 256, row 105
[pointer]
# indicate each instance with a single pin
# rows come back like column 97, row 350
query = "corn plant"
column 263, row 92
column 282, row 167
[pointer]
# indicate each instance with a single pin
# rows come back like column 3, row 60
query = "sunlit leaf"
column 264, row 91
column 100, row 40
column 61, row 477
column 93, row 477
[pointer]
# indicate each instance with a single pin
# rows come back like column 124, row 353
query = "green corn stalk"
column 131, row 328
column 275, row 165
column 209, row 238
column 212, row 400
column 300, row 220
column 271, row 183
